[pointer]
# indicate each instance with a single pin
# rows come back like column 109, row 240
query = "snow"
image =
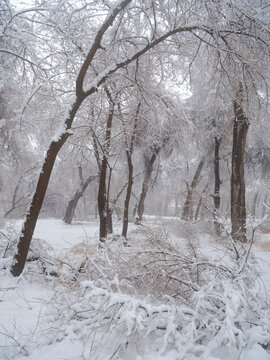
column 41, row 316
column 61, row 236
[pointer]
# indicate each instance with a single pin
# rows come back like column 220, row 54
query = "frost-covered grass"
column 174, row 293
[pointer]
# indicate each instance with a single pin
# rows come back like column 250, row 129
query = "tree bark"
column 130, row 171
column 238, row 205
column 108, row 207
column 188, row 205
column 36, row 203
column 129, row 188
column 102, row 201
column 102, row 190
column 74, row 200
column 149, row 168
column 197, row 213
column 217, row 186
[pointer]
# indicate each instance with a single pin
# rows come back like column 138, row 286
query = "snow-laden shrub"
column 164, row 297
column 39, row 258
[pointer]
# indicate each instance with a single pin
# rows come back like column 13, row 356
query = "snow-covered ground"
column 46, row 317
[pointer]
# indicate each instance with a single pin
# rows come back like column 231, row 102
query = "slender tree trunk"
column 108, row 207
column 217, row 186
column 130, row 171
column 187, row 208
column 74, row 200
column 102, row 201
column 197, row 213
column 149, row 168
column 238, row 206
column 129, row 188
column 102, row 191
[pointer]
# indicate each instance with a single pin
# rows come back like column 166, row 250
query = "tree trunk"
column 36, row 203
column 217, row 187
column 188, row 205
column 238, row 206
column 102, row 191
column 74, row 200
column 102, row 201
column 147, row 177
column 197, row 213
column 108, row 207
column 129, row 188
column 130, row 170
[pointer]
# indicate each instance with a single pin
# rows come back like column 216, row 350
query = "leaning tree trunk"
column 187, row 208
column 197, row 213
column 238, row 205
column 36, row 203
column 74, row 200
column 217, row 187
column 147, row 177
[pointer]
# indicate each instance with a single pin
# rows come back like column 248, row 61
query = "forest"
column 134, row 179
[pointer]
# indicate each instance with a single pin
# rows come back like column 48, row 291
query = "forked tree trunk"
column 188, row 205
column 149, row 169
column 238, row 205
column 217, row 187
column 74, row 200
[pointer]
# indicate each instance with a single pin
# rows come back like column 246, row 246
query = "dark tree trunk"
column 129, row 188
column 149, row 168
column 103, row 199
column 108, row 207
column 188, row 205
column 238, row 206
column 130, row 172
column 36, row 203
column 74, row 200
column 217, row 187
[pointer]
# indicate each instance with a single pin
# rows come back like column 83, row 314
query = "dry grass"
column 265, row 246
column 264, row 229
